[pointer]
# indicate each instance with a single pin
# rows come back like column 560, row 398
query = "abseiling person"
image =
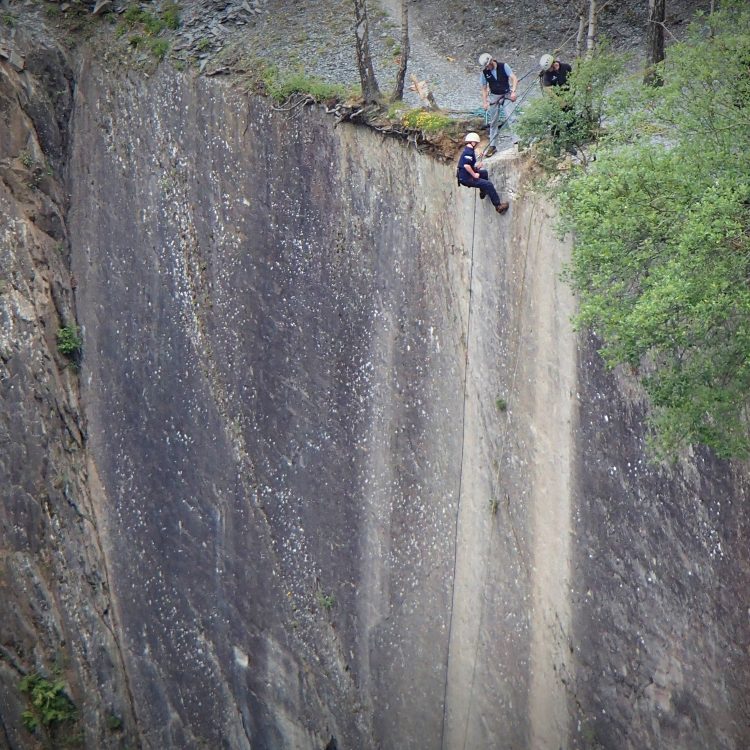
column 471, row 174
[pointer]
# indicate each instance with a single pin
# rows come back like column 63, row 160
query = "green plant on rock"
column 326, row 601
column 114, row 722
column 171, row 16
column 49, row 704
column 159, row 48
column 280, row 86
column 427, row 121
column 150, row 24
column 69, row 341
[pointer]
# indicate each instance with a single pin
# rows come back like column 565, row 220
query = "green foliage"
column 68, row 341
column 280, row 86
column 9, row 20
column 501, row 404
column 151, row 24
column 114, row 722
column 427, row 121
column 662, row 238
column 326, row 601
column 396, row 110
column 159, row 48
column 26, row 159
column 49, row 705
column 564, row 119
column 171, row 16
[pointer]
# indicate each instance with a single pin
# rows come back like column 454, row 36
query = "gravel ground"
column 446, row 37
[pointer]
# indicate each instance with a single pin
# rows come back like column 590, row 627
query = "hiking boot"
column 491, row 151
column 502, row 207
column 482, row 195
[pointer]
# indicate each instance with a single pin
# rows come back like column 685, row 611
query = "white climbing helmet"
column 484, row 59
column 472, row 138
column 545, row 62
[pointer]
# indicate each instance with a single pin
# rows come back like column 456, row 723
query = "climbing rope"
column 504, row 442
column 461, row 464
column 503, row 439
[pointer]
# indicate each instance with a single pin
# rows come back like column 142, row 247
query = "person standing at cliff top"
column 471, row 174
column 499, row 84
column 553, row 72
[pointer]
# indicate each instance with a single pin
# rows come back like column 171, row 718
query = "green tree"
column 661, row 222
column 565, row 119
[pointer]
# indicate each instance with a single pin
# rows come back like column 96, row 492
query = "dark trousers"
column 483, row 184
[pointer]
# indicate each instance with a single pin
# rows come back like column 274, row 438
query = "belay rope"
column 461, row 465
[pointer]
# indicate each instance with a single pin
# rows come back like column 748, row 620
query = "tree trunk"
column 591, row 36
column 398, row 92
column 370, row 90
column 581, row 30
column 654, row 41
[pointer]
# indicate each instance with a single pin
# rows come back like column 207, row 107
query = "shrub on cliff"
column 662, row 238
column 48, row 703
column 69, row 341
column 568, row 118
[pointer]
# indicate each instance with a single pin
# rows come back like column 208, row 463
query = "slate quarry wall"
column 350, row 477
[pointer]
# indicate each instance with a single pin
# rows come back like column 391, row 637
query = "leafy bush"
column 426, row 120
column 662, row 238
column 49, row 703
column 68, row 341
column 564, row 119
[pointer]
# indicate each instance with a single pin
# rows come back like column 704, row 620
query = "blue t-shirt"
column 493, row 72
column 467, row 157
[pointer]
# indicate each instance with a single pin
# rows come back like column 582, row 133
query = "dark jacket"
column 501, row 84
column 557, row 77
column 467, row 157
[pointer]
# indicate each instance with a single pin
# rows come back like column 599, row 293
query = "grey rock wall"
column 273, row 318
column 55, row 616
column 339, row 472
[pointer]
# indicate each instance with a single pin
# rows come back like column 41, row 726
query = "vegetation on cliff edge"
column 661, row 222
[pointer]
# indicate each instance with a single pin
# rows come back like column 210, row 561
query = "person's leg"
column 494, row 118
column 506, row 117
column 485, row 186
column 483, row 174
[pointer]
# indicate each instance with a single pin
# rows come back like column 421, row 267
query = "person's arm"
column 471, row 171
column 513, row 80
column 485, row 94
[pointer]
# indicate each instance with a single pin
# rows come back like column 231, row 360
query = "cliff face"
column 55, row 615
column 337, row 465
